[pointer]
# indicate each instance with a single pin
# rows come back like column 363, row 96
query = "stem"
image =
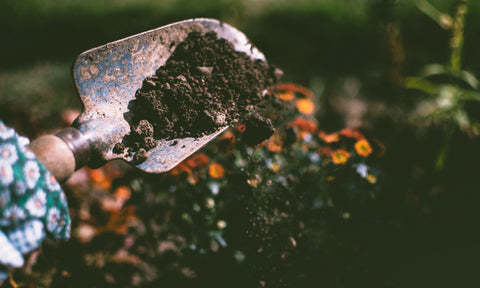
column 445, row 149
column 457, row 31
column 442, row 19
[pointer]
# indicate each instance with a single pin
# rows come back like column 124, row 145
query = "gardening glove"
column 33, row 206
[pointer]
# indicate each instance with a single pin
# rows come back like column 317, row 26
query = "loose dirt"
column 205, row 85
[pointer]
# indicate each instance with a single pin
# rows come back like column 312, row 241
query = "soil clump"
column 205, row 85
column 257, row 129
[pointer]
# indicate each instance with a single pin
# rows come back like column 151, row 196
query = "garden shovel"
column 107, row 78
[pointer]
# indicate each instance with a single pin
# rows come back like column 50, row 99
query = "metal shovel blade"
column 108, row 76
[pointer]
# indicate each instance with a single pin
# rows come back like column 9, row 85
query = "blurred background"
column 401, row 71
column 315, row 42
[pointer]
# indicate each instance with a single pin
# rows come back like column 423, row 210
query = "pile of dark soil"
column 205, row 85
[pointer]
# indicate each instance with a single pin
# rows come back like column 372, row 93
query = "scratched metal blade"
column 108, row 76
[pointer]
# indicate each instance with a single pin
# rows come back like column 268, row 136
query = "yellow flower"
column 340, row 156
column 371, row 178
column 330, row 178
column 363, row 148
column 275, row 167
column 254, row 181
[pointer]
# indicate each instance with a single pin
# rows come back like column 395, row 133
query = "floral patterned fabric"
column 33, row 206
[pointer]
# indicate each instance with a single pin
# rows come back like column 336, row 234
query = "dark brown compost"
column 205, row 85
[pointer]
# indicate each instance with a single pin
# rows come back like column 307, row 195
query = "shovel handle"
column 62, row 153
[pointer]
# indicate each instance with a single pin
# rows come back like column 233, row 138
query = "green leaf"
column 470, row 96
column 418, row 83
column 470, row 79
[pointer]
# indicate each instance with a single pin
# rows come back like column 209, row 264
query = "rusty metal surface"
column 108, row 76
column 77, row 143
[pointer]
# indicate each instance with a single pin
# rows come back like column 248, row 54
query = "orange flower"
column 100, row 177
column 96, row 175
column 286, row 96
column 197, row 160
column 363, row 148
column 325, row 151
column 350, row 133
column 275, row 143
column 340, row 156
column 226, row 141
column 119, row 221
column 305, row 106
column 192, row 178
column 305, row 124
column 216, row 170
column 291, row 87
column 329, row 138
column 122, row 192
column 228, row 136
column 179, row 169
column 287, row 92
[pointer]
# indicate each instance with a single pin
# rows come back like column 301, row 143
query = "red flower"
column 305, row 124
column 197, row 160
column 325, row 151
column 241, row 128
column 351, row 133
column 228, row 136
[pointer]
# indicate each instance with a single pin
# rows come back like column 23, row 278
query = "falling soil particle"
column 205, row 85
column 257, row 129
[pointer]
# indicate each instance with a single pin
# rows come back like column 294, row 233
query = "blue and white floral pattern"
column 14, row 213
column 4, row 200
column 36, row 205
column 32, row 203
column 8, row 153
column 53, row 219
column 31, row 173
column 19, row 187
column 5, row 132
column 50, row 182
column 6, row 174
